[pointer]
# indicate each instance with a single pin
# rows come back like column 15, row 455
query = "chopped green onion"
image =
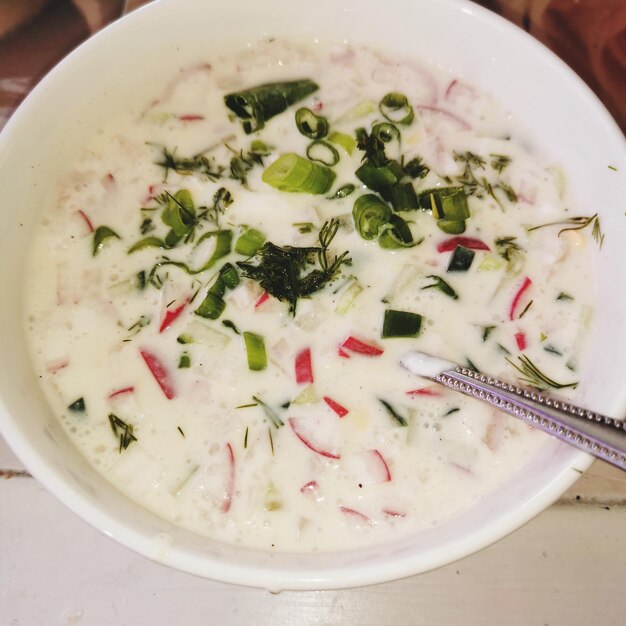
column 396, row 234
column 401, row 324
column 342, row 192
column 231, row 325
column 487, row 330
column 562, row 297
column 249, row 242
column 269, row 413
column 213, row 304
column 78, row 406
column 452, row 227
column 347, row 142
column 148, row 242
column 255, row 349
column 348, row 297
column 359, row 111
column 381, row 177
column 442, row 286
column 223, row 242
column 446, row 203
column 256, row 105
column 370, row 215
column 311, row 125
column 260, row 148
column 402, row 197
column 100, row 235
column 294, row 173
column 461, row 259
column 393, row 413
column 395, row 107
column 322, row 152
column 184, row 361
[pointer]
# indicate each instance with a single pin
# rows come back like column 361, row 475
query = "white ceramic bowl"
column 131, row 58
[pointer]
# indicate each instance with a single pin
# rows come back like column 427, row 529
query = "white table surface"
column 568, row 566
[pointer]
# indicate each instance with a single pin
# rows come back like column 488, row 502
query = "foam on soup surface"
column 217, row 316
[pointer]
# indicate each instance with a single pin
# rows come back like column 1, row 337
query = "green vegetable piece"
column 213, row 304
column 442, row 286
column 401, row 324
column 395, row 107
column 379, row 178
column 223, row 243
column 101, row 234
column 564, row 297
column 78, row 406
column 446, row 203
column 322, row 152
column 347, row 142
column 255, row 106
column 396, row 234
column 211, row 307
column 461, row 259
column 184, row 361
column 416, row 168
column 255, row 349
column 487, row 330
column 342, row 192
column 249, row 242
column 393, row 413
column 179, row 213
column 452, row 227
column 402, row 197
column 370, row 215
column 295, row 174
column 311, row 125
column 148, row 242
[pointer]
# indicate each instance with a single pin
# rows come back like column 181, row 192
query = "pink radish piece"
column 316, row 435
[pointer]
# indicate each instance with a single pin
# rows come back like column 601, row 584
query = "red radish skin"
column 356, row 515
column 297, row 427
column 392, row 513
column 171, row 315
column 310, row 489
column 190, row 118
column 461, row 124
column 336, row 407
column 121, row 392
column 367, row 467
column 518, row 296
column 230, row 487
column 160, row 373
column 86, row 219
column 55, row 366
column 304, row 367
column 425, row 391
column 520, row 339
column 360, row 347
column 467, row 242
column 264, row 298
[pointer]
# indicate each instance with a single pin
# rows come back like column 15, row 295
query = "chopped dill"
column 231, row 325
column 198, row 164
column 180, row 430
column 122, row 430
column 245, row 438
column 578, row 223
column 564, row 297
column 533, row 376
column 525, row 309
column 393, row 413
column 451, row 411
column 487, row 330
column 269, row 432
column 499, row 162
column 442, row 286
column 271, row 415
column 304, row 227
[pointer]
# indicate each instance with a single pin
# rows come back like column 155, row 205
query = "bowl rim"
column 264, row 577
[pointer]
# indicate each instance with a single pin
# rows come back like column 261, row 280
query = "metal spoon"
column 597, row 434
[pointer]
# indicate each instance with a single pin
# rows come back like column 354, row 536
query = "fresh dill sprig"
column 271, row 415
column 199, row 164
column 122, row 430
column 279, row 269
column 578, row 223
column 533, row 376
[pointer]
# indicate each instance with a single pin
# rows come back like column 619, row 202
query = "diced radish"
column 424, row 391
column 121, row 392
column 467, row 242
column 190, row 118
column 87, row 221
column 520, row 339
column 343, row 354
column 316, row 434
column 442, row 114
column 360, row 347
column 160, row 373
column 518, row 296
column 303, row 366
column 171, row 315
column 230, row 485
column 264, row 298
column 57, row 364
column 336, row 407
column 367, row 467
column 355, row 515
column 311, row 489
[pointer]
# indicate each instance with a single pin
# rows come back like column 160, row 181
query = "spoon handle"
column 597, row 434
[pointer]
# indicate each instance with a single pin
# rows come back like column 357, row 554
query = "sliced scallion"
column 255, row 350
column 322, row 152
column 311, row 125
column 401, row 324
column 249, row 242
column 461, row 259
column 184, row 361
column 402, row 197
column 100, row 235
column 381, row 177
column 347, row 142
column 257, row 105
column 342, row 192
column 395, row 107
column 294, row 173
column 452, row 227
column 148, row 242
column 442, row 286
column 370, row 215
column 396, row 234
column 78, row 406
column 446, row 203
